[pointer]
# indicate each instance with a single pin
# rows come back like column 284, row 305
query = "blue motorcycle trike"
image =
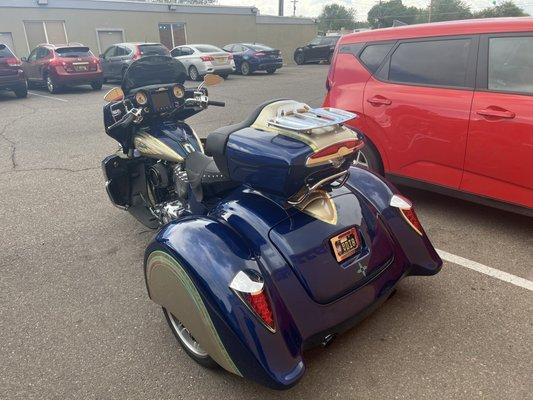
column 270, row 240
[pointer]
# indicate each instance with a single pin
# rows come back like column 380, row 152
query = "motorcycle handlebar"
column 216, row 103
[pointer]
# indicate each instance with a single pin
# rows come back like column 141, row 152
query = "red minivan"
column 445, row 106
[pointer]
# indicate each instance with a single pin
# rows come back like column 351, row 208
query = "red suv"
column 62, row 65
column 11, row 73
column 446, row 106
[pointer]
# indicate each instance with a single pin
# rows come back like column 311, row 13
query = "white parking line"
column 48, row 97
column 495, row 273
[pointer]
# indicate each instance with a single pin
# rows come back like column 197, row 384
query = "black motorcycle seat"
column 205, row 178
column 216, row 141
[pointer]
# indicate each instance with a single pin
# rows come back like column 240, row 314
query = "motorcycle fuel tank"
column 334, row 246
column 167, row 141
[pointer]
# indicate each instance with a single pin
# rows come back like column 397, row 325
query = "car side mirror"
column 115, row 94
column 23, row 59
column 101, row 56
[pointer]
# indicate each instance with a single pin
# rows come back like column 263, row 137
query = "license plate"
column 221, row 60
column 81, row 68
column 345, row 245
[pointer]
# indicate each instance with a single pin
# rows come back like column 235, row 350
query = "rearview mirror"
column 115, row 94
column 212, row 80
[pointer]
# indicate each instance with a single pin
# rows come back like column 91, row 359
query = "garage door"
column 107, row 38
column 7, row 39
column 38, row 32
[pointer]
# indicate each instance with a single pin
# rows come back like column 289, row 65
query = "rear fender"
column 417, row 248
column 188, row 268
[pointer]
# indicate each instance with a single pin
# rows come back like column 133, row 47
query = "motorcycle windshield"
column 153, row 70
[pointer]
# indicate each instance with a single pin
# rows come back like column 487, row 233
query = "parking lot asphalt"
column 77, row 322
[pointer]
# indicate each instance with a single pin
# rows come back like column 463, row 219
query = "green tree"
column 382, row 15
column 334, row 17
column 506, row 9
column 448, row 10
column 193, row 2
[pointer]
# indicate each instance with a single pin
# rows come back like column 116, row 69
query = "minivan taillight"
column 138, row 54
column 13, row 62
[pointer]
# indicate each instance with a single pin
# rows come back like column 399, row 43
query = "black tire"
column 371, row 156
column 22, row 91
column 270, row 71
column 97, row 85
column 245, row 68
column 51, row 85
column 104, row 80
column 224, row 76
column 194, row 75
column 204, row 361
column 299, row 58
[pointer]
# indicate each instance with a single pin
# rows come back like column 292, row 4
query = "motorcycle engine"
column 168, row 189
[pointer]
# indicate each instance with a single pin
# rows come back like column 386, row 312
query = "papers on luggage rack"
column 302, row 118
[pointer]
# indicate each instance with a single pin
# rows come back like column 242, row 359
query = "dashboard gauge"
column 178, row 91
column 141, row 98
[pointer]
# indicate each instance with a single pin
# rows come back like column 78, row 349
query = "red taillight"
column 352, row 145
column 137, row 55
column 407, row 211
column 259, row 54
column 260, row 304
column 249, row 287
column 13, row 62
column 207, row 58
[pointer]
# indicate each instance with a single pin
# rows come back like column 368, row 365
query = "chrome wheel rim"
column 186, row 338
column 245, row 69
column 361, row 160
column 49, row 84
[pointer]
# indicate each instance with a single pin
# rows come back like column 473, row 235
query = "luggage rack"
column 302, row 118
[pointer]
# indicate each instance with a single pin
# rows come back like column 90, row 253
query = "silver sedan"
column 201, row 59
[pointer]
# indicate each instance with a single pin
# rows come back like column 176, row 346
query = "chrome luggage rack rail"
column 302, row 118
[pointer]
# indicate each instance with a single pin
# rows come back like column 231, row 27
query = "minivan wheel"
column 193, row 73
column 368, row 157
column 51, row 85
column 245, row 68
column 299, row 58
column 21, row 91
column 97, row 85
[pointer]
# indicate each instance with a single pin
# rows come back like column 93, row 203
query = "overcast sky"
column 311, row 8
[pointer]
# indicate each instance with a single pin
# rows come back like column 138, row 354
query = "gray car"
column 201, row 59
column 117, row 58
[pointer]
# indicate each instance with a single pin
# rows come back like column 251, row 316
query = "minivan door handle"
column 496, row 112
column 379, row 101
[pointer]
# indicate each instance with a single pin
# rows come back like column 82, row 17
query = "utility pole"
column 294, row 7
column 430, row 10
column 281, row 5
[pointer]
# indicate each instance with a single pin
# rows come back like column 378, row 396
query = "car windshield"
column 153, row 50
column 259, row 47
column 205, row 48
column 5, row 52
column 153, row 70
column 73, row 52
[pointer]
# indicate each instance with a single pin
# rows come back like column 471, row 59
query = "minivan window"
column 153, row 50
column 374, row 54
column 74, row 52
column 5, row 52
column 511, row 64
column 436, row 62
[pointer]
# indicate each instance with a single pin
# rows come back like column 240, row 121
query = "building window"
column 172, row 35
column 38, row 32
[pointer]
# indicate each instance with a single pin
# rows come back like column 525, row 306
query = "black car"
column 319, row 49
column 11, row 74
